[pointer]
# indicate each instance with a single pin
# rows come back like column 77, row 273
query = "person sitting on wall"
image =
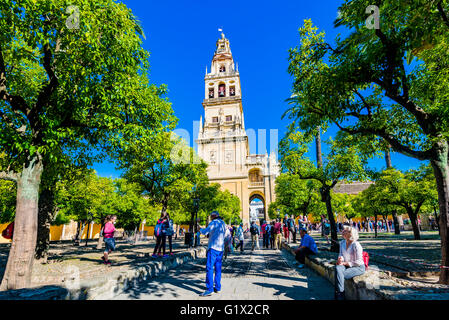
column 307, row 247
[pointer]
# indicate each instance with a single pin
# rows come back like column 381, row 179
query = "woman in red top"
column 108, row 235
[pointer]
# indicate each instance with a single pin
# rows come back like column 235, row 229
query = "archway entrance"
column 256, row 207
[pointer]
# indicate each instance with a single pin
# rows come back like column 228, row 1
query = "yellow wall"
column 56, row 232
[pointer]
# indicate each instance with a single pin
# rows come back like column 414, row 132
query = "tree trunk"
column 441, row 171
column 45, row 217
column 21, row 255
column 78, row 232
column 319, row 156
column 396, row 222
column 326, row 197
column 388, row 159
column 81, row 231
column 413, row 219
column 136, row 232
column 386, row 223
column 87, row 233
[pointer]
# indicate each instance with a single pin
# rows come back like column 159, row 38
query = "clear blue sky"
column 181, row 36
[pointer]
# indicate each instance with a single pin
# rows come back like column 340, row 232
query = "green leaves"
column 363, row 84
column 77, row 88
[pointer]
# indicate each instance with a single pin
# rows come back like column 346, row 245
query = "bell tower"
column 222, row 140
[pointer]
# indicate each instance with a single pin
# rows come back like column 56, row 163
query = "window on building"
column 215, row 119
column 232, row 91
column 222, row 68
column 211, row 93
column 222, row 90
column 228, row 118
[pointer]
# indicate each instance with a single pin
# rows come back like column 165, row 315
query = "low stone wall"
column 373, row 285
column 106, row 287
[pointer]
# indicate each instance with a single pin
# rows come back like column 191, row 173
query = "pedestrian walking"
column 240, row 237
column 227, row 243
column 169, row 233
column 306, row 248
column 254, row 230
column 216, row 231
column 160, row 231
column 267, row 235
column 272, row 235
column 263, row 232
column 350, row 261
column 285, row 226
column 326, row 229
column 277, row 229
column 108, row 235
column 292, row 228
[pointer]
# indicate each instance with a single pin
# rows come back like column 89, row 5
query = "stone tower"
column 222, row 140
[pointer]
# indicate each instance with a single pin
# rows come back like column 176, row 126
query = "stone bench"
column 373, row 285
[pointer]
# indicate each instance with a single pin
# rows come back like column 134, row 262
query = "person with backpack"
column 217, row 232
column 160, row 231
column 8, row 233
column 239, row 236
column 350, row 261
column 266, row 227
column 108, row 236
column 233, row 229
column 169, row 233
column 254, row 230
column 292, row 228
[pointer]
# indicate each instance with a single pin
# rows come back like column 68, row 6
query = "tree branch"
column 396, row 145
column 443, row 14
column 8, row 175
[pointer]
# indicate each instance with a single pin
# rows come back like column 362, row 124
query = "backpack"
column 169, row 231
column 268, row 228
column 365, row 256
column 253, row 230
column 292, row 224
column 9, row 231
column 158, row 228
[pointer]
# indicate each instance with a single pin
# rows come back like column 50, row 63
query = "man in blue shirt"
column 216, row 230
column 306, row 248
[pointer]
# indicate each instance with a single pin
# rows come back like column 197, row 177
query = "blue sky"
column 181, row 36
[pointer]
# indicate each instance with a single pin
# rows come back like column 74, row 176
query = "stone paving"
column 65, row 257
column 263, row 274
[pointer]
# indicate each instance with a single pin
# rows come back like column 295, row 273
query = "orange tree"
column 388, row 80
column 73, row 80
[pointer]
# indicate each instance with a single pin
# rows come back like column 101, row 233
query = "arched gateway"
column 223, row 142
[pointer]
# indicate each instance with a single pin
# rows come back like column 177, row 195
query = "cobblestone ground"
column 263, row 274
column 64, row 256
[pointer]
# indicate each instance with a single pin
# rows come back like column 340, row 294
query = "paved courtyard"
column 263, row 274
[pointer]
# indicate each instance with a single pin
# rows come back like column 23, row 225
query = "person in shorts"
column 108, row 236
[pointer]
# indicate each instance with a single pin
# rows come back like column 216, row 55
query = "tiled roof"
column 352, row 188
